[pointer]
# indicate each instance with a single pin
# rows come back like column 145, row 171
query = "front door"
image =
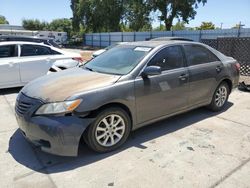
column 163, row 94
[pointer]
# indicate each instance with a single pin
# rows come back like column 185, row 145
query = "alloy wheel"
column 110, row 130
column 221, row 96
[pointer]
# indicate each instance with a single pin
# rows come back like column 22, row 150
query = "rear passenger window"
column 196, row 55
column 34, row 50
column 168, row 58
column 7, row 51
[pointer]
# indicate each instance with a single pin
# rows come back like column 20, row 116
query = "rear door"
column 204, row 68
column 163, row 94
column 9, row 66
column 35, row 61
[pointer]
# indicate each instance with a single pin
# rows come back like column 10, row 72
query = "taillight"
column 79, row 59
column 237, row 66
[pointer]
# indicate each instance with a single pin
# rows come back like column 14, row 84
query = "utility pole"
column 239, row 27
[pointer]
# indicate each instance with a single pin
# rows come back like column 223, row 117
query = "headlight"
column 58, row 107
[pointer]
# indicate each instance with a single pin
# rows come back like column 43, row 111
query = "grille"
column 26, row 105
column 22, row 107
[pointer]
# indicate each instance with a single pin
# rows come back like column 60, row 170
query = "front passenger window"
column 168, row 58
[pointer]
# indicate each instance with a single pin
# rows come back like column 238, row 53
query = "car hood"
column 64, row 84
column 65, row 63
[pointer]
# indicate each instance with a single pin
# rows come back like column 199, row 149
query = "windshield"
column 118, row 60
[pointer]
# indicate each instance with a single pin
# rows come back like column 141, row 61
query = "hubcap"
column 110, row 130
column 221, row 96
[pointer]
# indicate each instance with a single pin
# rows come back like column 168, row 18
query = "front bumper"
column 55, row 135
column 59, row 135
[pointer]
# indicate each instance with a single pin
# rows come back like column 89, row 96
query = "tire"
column 100, row 133
column 220, row 97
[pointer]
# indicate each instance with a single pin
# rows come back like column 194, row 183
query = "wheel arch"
column 229, row 83
column 94, row 113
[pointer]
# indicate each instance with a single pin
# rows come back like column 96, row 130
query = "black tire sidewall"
column 90, row 136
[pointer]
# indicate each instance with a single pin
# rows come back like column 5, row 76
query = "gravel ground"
column 195, row 149
column 246, row 79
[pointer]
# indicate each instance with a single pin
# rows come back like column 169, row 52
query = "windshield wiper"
column 88, row 68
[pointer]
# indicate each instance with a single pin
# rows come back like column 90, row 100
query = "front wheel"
column 110, row 130
column 220, row 97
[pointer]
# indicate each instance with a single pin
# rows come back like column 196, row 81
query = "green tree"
column 76, row 20
column 3, row 20
column 179, row 26
column 159, row 28
column 237, row 26
column 180, row 9
column 96, row 15
column 206, row 26
column 63, row 24
column 34, row 24
column 136, row 15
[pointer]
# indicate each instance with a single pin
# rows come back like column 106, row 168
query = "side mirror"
column 151, row 71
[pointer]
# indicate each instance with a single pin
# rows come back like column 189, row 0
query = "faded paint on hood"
column 60, row 86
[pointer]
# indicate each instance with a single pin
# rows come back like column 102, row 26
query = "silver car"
column 125, row 88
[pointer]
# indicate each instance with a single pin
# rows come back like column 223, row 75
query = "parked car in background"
column 47, row 41
column 127, row 87
column 63, row 65
column 99, row 52
column 170, row 38
column 21, row 62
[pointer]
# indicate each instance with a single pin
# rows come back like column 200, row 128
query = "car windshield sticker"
column 142, row 49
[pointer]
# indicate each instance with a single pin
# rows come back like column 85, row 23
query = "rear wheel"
column 220, row 97
column 110, row 130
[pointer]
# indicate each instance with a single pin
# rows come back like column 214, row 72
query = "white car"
column 64, row 64
column 21, row 62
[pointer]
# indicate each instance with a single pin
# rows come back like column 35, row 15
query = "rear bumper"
column 55, row 135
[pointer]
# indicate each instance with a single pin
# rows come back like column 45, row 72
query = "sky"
column 227, row 12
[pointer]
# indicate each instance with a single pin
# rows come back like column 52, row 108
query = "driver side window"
column 168, row 58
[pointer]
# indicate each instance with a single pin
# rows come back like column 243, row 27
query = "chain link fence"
column 236, row 47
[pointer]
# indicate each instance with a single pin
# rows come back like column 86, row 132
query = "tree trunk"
column 168, row 24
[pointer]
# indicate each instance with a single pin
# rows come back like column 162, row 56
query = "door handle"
column 218, row 68
column 183, row 77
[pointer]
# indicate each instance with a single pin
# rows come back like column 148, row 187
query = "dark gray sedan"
column 125, row 88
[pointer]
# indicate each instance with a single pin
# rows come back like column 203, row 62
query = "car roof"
column 24, row 36
column 22, row 42
column 171, row 38
column 154, row 44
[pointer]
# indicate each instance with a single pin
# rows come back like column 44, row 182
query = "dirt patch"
column 86, row 55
